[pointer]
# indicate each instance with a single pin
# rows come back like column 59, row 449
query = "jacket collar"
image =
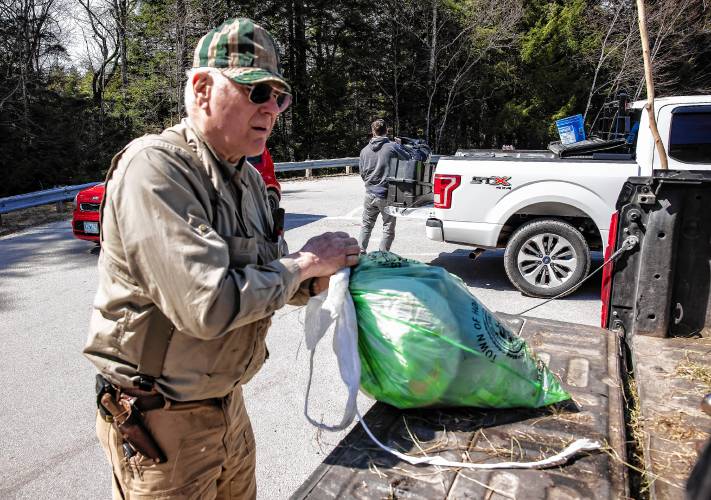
column 207, row 153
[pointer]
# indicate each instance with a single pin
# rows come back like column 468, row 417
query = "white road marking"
column 355, row 211
column 352, row 215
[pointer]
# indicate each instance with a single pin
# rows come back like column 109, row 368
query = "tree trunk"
column 432, row 65
column 301, row 116
column 650, row 85
column 600, row 61
column 180, row 14
column 396, row 89
column 123, row 46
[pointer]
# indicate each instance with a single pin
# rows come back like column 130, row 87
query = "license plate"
column 91, row 227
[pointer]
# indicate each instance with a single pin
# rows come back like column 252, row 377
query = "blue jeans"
column 372, row 206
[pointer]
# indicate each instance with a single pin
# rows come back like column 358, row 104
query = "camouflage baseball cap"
column 242, row 51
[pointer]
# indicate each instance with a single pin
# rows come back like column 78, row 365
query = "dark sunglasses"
column 262, row 92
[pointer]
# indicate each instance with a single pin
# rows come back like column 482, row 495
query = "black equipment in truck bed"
column 410, row 180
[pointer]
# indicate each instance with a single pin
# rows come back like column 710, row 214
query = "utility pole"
column 650, row 85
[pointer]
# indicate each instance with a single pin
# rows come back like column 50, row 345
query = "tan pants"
column 210, row 452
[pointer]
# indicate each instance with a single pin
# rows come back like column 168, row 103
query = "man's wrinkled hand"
column 325, row 254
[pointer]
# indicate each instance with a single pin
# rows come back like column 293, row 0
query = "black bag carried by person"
column 410, row 180
column 417, row 148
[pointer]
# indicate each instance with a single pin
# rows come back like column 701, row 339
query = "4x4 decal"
column 494, row 180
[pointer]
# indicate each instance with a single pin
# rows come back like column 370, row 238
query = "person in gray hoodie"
column 373, row 166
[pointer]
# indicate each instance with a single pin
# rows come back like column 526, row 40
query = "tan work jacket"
column 208, row 264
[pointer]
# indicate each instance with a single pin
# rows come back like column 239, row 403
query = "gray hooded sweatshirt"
column 374, row 161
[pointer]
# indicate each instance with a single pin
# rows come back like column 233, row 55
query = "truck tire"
column 546, row 257
column 273, row 198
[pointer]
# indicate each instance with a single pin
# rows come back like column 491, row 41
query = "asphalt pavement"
column 48, row 449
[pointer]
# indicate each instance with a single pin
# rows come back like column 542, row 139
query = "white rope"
column 570, row 451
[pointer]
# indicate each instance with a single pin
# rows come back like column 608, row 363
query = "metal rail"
column 315, row 164
column 54, row 195
column 66, row 193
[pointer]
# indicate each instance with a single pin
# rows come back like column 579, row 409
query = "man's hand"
column 325, row 254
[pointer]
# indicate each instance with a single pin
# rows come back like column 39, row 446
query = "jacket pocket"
column 259, row 351
column 243, row 251
column 268, row 251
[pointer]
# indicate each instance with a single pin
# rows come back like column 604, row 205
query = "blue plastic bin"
column 571, row 129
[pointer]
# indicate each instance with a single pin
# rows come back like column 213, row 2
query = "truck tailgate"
column 587, row 361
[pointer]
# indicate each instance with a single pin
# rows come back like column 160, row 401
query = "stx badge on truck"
column 496, row 181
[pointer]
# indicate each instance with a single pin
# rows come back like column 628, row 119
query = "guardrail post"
column 349, row 170
column 60, row 206
column 308, row 173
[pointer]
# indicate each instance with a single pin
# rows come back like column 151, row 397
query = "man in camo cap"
column 191, row 270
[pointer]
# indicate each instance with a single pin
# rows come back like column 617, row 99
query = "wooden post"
column 650, row 85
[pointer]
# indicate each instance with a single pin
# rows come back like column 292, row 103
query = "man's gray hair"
column 188, row 95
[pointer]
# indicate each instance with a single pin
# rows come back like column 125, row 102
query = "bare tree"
column 455, row 41
column 29, row 38
column 180, row 50
column 105, row 28
column 406, row 14
column 102, row 45
column 488, row 25
column 608, row 47
column 433, row 60
column 672, row 26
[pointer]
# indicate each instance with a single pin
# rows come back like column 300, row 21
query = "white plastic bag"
column 335, row 309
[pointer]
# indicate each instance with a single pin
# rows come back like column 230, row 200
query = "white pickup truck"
column 548, row 209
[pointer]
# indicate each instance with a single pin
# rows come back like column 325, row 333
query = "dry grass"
column 650, row 476
column 676, row 428
column 695, row 372
column 636, row 427
column 35, row 216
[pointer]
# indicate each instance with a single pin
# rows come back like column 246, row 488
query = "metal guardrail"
column 22, row 201
column 54, row 195
column 315, row 164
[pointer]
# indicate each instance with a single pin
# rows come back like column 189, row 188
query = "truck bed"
column 670, row 383
column 587, row 361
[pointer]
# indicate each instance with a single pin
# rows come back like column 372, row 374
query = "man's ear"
column 202, row 88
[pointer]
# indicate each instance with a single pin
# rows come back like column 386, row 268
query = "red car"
column 265, row 165
column 85, row 222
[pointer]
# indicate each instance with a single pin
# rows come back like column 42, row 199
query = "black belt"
column 145, row 401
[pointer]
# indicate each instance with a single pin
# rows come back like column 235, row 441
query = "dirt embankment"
column 35, row 216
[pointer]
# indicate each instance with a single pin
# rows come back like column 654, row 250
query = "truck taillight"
column 606, row 289
column 443, row 187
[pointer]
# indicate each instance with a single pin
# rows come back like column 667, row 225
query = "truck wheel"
column 273, row 198
column 546, row 257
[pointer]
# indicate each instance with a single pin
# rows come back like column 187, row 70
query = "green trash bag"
column 425, row 340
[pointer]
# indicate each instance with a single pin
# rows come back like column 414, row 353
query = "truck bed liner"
column 358, row 469
column 670, row 384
